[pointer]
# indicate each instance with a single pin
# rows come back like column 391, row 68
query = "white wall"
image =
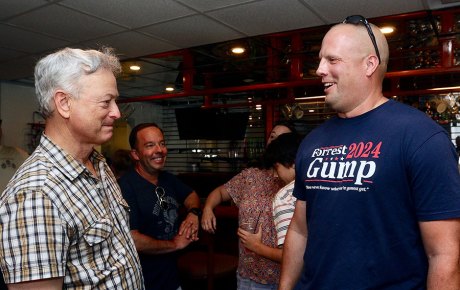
column 17, row 104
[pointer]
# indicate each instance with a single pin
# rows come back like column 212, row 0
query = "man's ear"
column 62, row 102
column 134, row 155
column 372, row 64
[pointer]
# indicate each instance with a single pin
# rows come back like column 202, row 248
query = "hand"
column 181, row 241
column 249, row 240
column 189, row 227
column 208, row 220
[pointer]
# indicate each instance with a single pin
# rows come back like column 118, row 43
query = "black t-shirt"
column 149, row 217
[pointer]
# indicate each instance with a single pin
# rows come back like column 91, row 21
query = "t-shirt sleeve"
column 34, row 239
column 235, row 188
column 181, row 189
column 435, row 178
column 283, row 211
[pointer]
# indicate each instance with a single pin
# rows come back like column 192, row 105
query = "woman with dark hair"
column 252, row 190
column 281, row 154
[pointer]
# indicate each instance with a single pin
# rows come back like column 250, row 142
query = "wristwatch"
column 196, row 211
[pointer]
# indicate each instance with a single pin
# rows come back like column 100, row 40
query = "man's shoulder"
column 129, row 176
column 31, row 175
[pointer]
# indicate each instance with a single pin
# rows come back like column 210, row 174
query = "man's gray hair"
column 63, row 69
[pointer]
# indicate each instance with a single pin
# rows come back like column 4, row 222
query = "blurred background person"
column 155, row 197
column 121, row 162
column 280, row 155
column 252, row 191
column 10, row 160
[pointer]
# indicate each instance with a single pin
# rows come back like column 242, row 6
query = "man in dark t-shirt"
column 377, row 186
column 154, row 197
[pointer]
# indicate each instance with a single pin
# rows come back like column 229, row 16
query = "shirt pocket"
column 98, row 232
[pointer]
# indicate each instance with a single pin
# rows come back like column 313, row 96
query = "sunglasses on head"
column 357, row 19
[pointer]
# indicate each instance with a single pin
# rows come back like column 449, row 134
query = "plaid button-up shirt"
column 58, row 220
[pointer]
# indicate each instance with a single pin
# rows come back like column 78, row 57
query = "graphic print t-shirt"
column 367, row 182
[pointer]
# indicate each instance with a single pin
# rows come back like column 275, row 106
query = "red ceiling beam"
column 248, row 88
column 277, row 85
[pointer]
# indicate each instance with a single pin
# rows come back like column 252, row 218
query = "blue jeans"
column 248, row 284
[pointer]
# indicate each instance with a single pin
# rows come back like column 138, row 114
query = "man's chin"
column 104, row 138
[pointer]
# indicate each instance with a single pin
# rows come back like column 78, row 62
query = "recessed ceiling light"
column 387, row 29
column 169, row 89
column 238, row 50
column 134, row 67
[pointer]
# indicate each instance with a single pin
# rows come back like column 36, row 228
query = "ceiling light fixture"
column 169, row 89
column 258, row 107
column 309, row 98
column 135, row 67
column 238, row 50
column 387, row 29
column 445, row 88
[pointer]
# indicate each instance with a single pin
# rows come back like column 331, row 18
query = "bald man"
column 377, row 186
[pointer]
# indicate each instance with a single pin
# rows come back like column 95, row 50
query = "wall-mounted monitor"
column 211, row 124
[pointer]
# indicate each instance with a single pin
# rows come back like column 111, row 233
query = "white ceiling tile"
column 132, row 44
column 167, row 25
column 64, row 23
column 328, row 8
column 14, row 7
column 206, row 5
column 25, row 41
column 191, row 31
column 272, row 15
column 131, row 13
column 8, row 53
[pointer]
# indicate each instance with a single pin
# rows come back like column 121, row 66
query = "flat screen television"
column 211, row 124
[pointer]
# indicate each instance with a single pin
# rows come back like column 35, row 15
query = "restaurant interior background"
column 185, row 45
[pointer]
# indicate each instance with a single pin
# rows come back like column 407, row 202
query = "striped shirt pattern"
column 283, row 210
column 58, row 220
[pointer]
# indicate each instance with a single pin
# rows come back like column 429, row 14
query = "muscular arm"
column 46, row 284
column 442, row 246
column 216, row 197
column 294, row 247
column 148, row 245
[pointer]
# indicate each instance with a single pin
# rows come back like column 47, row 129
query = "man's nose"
column 320, row 71
column 115, row 111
